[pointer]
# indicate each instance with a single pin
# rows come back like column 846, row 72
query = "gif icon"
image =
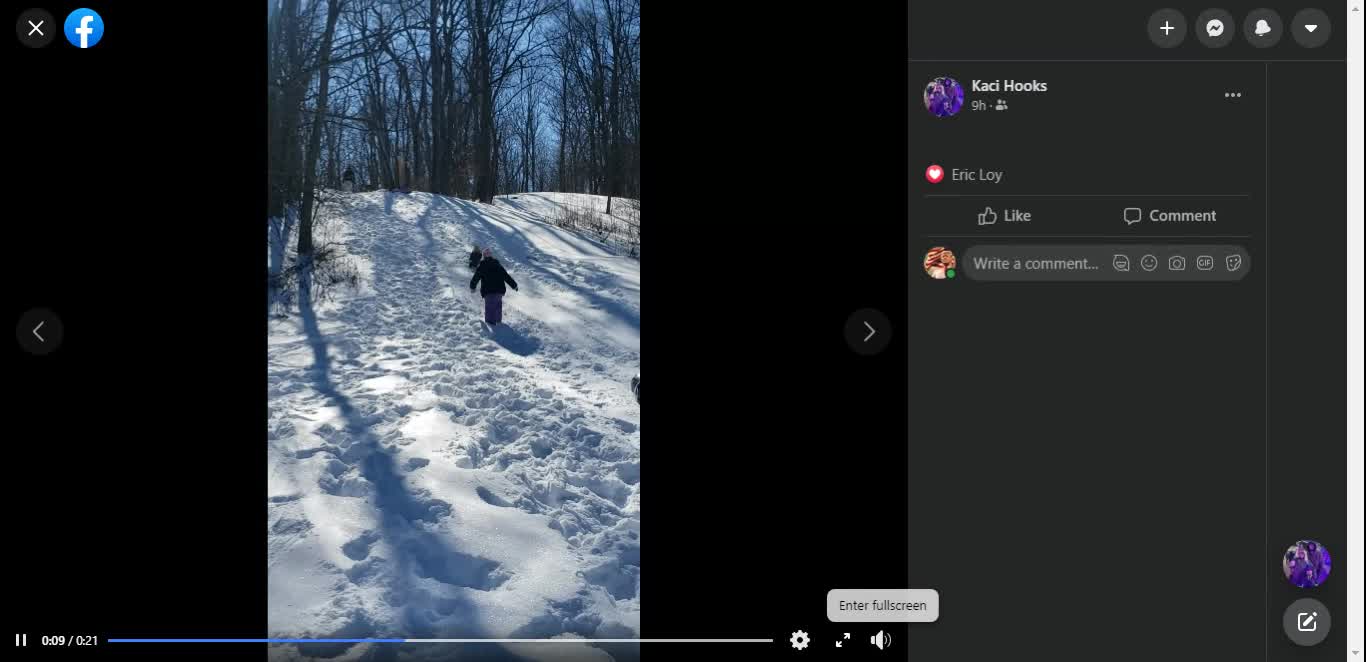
column 1204, row 263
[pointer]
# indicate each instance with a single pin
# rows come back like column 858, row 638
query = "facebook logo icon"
column 84, row 28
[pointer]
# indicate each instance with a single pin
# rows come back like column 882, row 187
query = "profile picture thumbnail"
column 943, row 97
column 940, row 263
column 1306, row 563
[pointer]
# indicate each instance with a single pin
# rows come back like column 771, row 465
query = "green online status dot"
column 951, row 273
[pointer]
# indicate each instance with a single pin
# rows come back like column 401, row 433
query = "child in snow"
column 475, row 257
column 494, row 278
column 349, row 180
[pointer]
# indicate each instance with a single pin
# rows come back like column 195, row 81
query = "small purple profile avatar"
column 1306, row 563
column 943, row 97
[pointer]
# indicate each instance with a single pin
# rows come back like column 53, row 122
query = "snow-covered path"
column 430, row 479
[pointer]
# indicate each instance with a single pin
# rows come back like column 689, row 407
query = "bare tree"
column 315, row 132
column 466, row 97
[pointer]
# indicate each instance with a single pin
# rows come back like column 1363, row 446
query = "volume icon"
column 881, row 640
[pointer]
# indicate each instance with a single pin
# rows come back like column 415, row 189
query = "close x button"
column 35, row 28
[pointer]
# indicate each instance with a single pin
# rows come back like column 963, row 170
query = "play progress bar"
column 440, row 641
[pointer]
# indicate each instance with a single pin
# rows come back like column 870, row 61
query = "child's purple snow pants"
column 493, row 309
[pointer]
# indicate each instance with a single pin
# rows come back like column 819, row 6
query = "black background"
column 778, row 462
column 137, row 178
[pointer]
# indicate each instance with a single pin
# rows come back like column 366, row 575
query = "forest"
column 465, row 98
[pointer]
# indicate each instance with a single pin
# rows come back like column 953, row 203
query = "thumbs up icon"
column 987, row 217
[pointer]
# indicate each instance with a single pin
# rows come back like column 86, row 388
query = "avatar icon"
column 940, row 263
column 1307, row 563
column 943, row 97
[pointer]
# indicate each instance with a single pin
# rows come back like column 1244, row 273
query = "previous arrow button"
column 39, row 331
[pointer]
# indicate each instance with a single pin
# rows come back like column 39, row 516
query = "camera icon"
column 1176, row 263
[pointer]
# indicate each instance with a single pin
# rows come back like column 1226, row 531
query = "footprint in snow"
column 359, row 548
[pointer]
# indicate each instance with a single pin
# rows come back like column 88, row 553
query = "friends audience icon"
column 1306, row 564
column 940, row 263
column 943, row 97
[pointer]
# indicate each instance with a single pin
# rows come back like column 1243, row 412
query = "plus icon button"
column 1166, row 28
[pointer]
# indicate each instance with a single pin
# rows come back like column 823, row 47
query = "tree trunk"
column 410, row 147
column 439, row 129
column 564, row 122
column 481, row 65
column 315, row 132
column 418, row 138
column 287, row 96
column 615, row 34
column 529, row 141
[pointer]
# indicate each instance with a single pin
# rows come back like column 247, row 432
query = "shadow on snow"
column 403, row 515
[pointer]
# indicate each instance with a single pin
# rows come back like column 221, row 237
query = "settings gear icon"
column 800, row 639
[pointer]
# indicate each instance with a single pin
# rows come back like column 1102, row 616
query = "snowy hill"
column 584, row 214
column 429, row 478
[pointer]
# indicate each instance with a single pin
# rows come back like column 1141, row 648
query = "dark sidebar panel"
column 1090, row 460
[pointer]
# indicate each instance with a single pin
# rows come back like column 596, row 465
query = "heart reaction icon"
column 934, row 174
